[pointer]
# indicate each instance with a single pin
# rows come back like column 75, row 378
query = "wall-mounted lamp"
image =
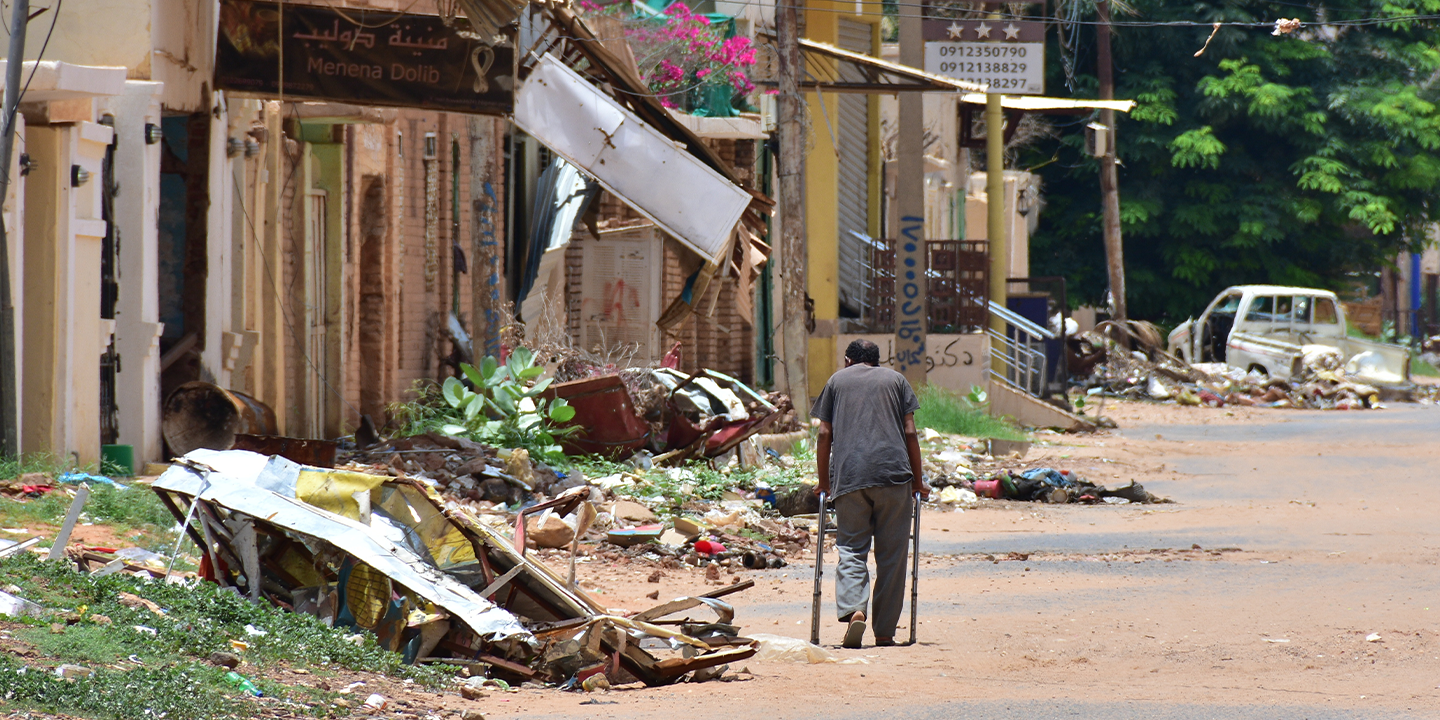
column 26, row 164
column 78, row 176
column 153, row 133
column 252, row 148
column 234, row 146
column 1025, row 201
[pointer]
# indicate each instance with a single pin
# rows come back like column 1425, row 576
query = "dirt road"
column 1295, row 577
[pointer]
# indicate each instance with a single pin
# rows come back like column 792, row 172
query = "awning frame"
column 1015, row 107
column 876, row 76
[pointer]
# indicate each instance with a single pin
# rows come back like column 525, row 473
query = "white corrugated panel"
column 638, row 163
column 852, row 133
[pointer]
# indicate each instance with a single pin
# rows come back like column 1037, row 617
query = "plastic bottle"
column 243, row 683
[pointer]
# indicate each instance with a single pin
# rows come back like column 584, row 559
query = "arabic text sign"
column 1009, row 56
column 361, row 56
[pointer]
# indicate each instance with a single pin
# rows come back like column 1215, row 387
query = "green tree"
column 1293, row 159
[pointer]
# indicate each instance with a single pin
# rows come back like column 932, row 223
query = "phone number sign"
column 1009, row 56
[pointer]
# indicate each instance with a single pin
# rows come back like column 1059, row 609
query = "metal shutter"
column 852, row 133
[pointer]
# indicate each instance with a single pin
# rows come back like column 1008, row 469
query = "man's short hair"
column 863, row 351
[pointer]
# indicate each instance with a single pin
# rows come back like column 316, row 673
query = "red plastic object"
column 605, row 415
column 987, row 488
column 672, row 358
column 708, row 547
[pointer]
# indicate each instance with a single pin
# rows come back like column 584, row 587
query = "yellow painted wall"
column 43, row 302
column 822, row 227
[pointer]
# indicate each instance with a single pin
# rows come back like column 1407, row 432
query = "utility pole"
column 995, row 211
column 791, row 171
column 912, row 311
column 9, row 420
column 995, row 235
column 1109, row 179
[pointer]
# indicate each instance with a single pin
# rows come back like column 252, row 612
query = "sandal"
column 855, row 632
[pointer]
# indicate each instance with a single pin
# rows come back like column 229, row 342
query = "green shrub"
column 948, row 412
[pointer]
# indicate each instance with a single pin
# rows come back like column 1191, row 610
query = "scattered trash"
column 1373, row 637
column 14, row 606
column 242, row 683
column 1321, row 378
column 73, row 672
column 778, row 648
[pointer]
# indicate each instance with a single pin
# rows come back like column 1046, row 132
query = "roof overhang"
column 53, row 80
column 833, row 69
column 1050, row 105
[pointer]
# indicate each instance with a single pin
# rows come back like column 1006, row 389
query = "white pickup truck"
column 1271, row 328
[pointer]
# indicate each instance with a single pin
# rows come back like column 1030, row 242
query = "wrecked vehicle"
column 1277, row 331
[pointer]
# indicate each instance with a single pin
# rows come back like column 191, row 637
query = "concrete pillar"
column 822, row 225
column 221, row 348
column 63, row 240
column 14, row 219
column 137, row 326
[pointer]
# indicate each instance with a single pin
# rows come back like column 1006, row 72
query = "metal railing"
column 1017, row 356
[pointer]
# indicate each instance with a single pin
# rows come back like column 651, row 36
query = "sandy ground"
column 1294, row 576
column 1297, row 538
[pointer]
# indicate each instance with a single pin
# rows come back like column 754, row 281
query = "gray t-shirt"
column 866, row 408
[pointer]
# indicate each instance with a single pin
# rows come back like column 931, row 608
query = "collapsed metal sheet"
column 252, row 484
column 638, row 163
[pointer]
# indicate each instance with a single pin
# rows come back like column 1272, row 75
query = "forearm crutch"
column 819, row 573
column 914, row 573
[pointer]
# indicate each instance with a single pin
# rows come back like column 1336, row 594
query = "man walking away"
column 868, row 460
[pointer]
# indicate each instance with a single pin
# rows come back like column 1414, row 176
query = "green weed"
column 673, row 487
column 947, row 412
column 1423, row 368
column 145, row 674
column 134, row 513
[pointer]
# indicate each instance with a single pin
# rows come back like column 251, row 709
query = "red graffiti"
column 613, row 308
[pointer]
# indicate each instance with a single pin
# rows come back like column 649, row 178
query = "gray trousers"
column 878, row 515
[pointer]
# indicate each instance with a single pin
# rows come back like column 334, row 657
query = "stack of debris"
column 427, row 575
column 1150, row 373
column 965, row 470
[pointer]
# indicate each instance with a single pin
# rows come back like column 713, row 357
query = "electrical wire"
column 924, row 7
column 54, row 17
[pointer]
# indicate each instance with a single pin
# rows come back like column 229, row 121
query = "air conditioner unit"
column 620, row 287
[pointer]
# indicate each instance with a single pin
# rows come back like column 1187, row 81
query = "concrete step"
column 1006, row 401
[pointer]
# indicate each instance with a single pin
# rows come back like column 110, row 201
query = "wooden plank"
column 57, row 550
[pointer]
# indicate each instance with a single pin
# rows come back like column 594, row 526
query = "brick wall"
column 715, row 337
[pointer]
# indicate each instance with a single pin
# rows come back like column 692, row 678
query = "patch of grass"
column 697, row 480
column 1419, row 366
column 11, row 468
column 947, row 412
column 171, row 677
column 134, row 512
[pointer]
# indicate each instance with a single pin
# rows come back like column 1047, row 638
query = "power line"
column 927, row 12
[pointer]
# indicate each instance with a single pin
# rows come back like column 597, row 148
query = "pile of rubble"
column 966, row 470
column 434, row 543
column 1150, row 373
column 440, row 576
